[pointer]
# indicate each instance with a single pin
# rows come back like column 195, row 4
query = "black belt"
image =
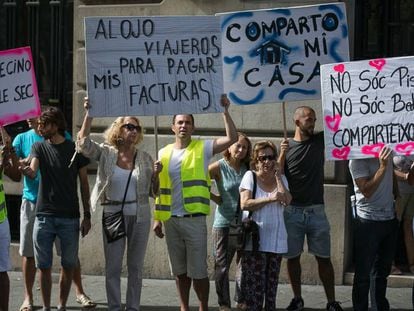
column 189, row 215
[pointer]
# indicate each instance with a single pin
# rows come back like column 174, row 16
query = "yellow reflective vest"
column 195, row 182
column 3, row 209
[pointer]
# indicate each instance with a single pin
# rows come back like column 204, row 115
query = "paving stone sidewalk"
column 161, row 295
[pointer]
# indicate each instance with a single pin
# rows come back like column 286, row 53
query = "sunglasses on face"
column 266, row 157
column 130, row 127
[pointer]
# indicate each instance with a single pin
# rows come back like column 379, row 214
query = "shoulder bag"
column 113, row 224
column 242, row 230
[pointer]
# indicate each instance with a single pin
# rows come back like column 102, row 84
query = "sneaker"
column 296, row 304
column 334, row 306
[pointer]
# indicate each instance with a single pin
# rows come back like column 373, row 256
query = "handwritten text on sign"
column 275, row 55
column 366, row 105
column 153, row 65
column 19, row 99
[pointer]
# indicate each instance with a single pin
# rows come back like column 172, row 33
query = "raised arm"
column 10, row 161
column 87, row 122
column 284, row 147
column 214, row 171
column 85, row 196
column 220, row 144
column 367, row 185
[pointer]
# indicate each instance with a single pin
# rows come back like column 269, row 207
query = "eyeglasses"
column 130, row 127
column 266, row 157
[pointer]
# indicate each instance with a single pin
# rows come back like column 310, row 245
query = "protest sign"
column 161, row 65
column 19, row 99
column 275, row 55
column 366, row 105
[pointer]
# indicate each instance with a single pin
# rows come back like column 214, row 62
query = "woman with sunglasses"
column 116, row 157
column 227, row 173
column 260, row 269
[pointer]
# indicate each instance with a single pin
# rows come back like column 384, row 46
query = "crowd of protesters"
column 277, row 196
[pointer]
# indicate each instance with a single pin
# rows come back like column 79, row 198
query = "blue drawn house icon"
column 272, row 52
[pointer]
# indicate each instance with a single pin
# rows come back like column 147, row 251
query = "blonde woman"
column 115, row 161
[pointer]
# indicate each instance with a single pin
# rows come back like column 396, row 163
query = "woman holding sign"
column 126, row 178
column 227, row 173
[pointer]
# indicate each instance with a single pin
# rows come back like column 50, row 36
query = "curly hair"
column 112, row 133
column 260, row 145
column 246, row 159
column 53, row 115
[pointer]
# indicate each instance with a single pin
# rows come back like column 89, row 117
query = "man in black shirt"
column 57, row 208
column 303, row 161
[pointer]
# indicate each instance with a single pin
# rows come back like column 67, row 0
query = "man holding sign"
column 375, row 229
column 305, row 216
column 184, row 202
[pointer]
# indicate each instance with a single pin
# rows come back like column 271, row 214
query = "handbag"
column 113, row 224
column 242, row 230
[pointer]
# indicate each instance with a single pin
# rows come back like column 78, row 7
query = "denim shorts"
column 46, row 230
column 309, row 221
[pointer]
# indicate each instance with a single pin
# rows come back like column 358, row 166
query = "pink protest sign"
column 367, row 105
column 19, row 99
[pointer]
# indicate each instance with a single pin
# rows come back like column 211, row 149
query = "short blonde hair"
column 112, row 133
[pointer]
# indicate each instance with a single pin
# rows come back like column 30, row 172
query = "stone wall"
column 260, row 121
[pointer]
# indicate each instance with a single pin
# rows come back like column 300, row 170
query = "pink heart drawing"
column 372, row 149
column 405, row 148
column 333, row 122
column 341, row 153
column 339, row 68
column 377, row 63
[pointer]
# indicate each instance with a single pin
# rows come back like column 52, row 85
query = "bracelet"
column 87, row 215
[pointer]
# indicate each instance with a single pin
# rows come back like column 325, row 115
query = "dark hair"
column 191, row 116
column 246, row 160
column 260, row 146
column 54, row 115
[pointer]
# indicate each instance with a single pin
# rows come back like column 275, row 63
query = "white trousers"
column 136, row 244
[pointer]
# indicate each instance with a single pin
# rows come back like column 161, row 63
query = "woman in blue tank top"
column 227, row 173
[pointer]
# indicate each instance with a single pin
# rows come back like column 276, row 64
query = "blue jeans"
column 374, row 249
column 45, row 231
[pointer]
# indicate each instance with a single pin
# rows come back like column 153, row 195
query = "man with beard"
column 57, row 209
column 303, row 161
column 22, row 144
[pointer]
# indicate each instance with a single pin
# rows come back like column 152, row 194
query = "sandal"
column 85, row 301
column 26, row 306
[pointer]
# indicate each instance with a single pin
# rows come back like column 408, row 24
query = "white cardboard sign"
column 366, row 105
column 274, row 55
column 19, row 99
column 147, row 65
